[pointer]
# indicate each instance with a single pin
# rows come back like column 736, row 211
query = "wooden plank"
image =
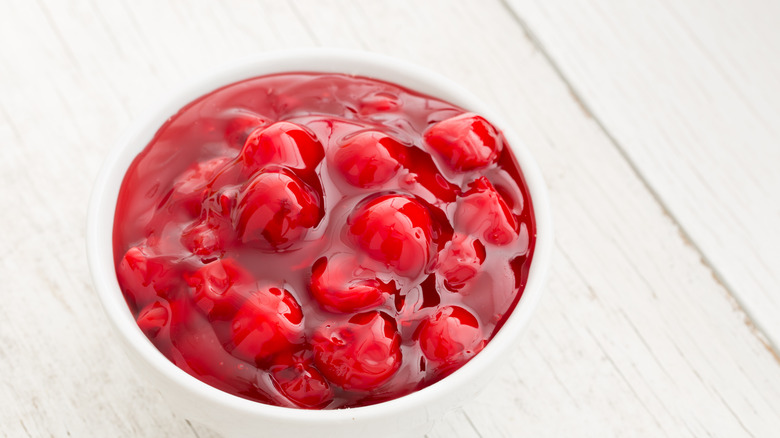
column 689, row 93
column 635, row 336
column 63, row 373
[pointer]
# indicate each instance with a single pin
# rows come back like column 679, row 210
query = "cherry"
column 379, row 102
column 219, row 204
column 340, row 284
column 270, row 321
column 299, row 381
column 460, row 260
column 154, row 318
column 394, row 230
column 367, row 158
column 197, row 349
column 241, row 124
column 275, row 210
column 282, row 143
column 466, row 141
column 143, row 277
column 204, row 239
column 220, row 288
column 483, row 211
column 189, row 187
column 360, row 354
column 450, row 337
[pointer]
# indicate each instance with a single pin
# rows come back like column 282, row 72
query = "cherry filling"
column 368, row 159
column 275, row 210
column 282, row 143
column 394, row 230
column 360, row 354
column 341, row 284
column 466, row 141
column 322, row 241
column 450, row 337
column 301, row 382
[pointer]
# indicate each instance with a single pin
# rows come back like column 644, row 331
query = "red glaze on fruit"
column 394, row 230
column 275, row 210
column 284, row 144
column 358, row 355
column 466, row 141
column 483, row 212
column 451, row 337
column 153, row 318
column 268, row 322
column 341, row 284
column 240, row 124
column 190, row 188
column 143, row 277
column 264, row 269
column 300, row 381
column 205, row 240
column 367, row 159
column 379, row 102
column 460, row 261
column 220, row 288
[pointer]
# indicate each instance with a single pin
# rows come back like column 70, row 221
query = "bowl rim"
column 100, row 218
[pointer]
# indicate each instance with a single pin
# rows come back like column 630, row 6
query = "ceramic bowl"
column 232, row 416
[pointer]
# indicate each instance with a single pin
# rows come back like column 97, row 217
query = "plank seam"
column 755, row 328
column 471, row 423
column 192, row 428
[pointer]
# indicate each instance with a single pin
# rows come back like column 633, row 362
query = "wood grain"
column 688, row 92
column 636, row 335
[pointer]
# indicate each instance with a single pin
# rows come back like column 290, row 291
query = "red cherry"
column 460, row 260
column 143, row 277
column 269, row 321
column 367, row 159
column 283, row 143
column 189, row 187
column 275, row 210
column 219, row 204
column 379, row 102
column 451, row 337
column 301, row 382
column 153, row 318
column 394, row 230
column 360, row 354
column 197, row 349
column 240, row 125
column 466, row 141
column 340, row 284
column 220, row 288
column 205, row 239
column 483, row 211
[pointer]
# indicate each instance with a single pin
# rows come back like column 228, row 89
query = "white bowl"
column 232, row 416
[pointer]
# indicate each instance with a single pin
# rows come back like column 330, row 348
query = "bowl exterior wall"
column 411, row 415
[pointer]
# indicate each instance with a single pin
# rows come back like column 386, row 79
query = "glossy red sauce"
column 321, row 240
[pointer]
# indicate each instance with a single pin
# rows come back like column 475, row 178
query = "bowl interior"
column 104, row 197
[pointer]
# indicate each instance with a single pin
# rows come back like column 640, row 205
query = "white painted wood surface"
column 656, row 126
column 688, row 91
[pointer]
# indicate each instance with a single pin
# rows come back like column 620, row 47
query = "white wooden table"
column 656, row 125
